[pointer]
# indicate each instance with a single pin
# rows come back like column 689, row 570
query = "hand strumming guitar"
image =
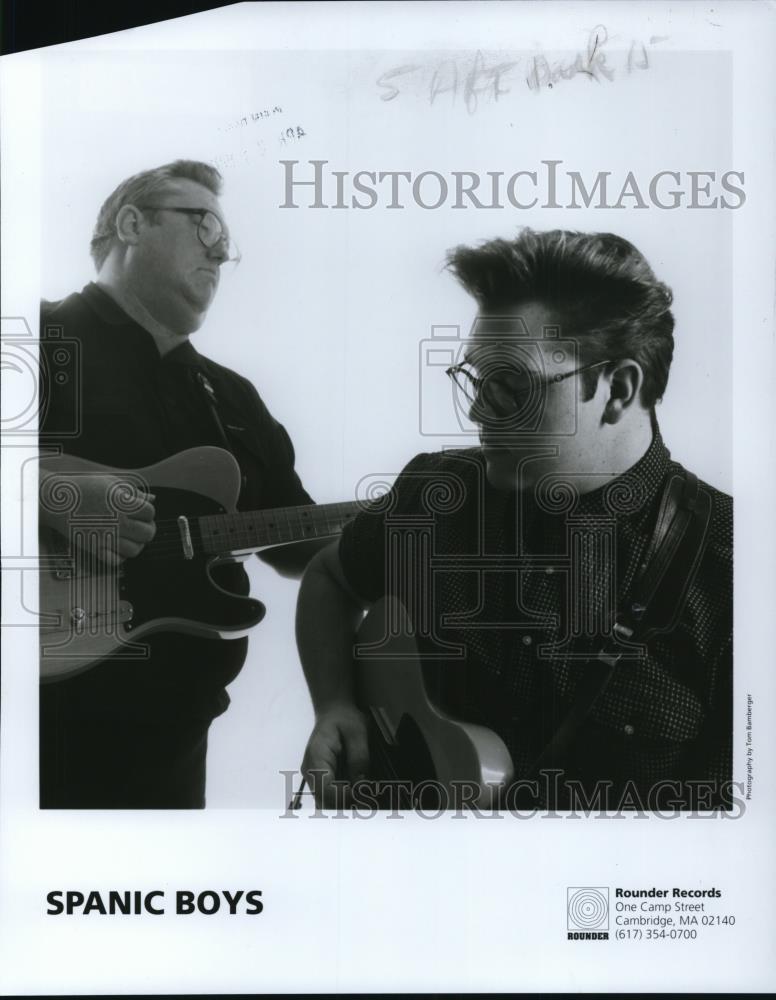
column 99, row 496
column 336, row 751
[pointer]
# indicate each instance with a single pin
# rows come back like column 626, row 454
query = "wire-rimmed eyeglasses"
column 506, row 389
column 210, row 229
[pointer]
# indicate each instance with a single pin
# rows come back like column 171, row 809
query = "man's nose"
column 480, row 411
column 220, row 250
column 488, row 418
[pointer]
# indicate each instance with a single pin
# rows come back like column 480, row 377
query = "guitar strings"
column 168, row 542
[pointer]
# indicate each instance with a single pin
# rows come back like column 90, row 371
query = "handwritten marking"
column 253, row 116
column 252, row 145
column 472, row 80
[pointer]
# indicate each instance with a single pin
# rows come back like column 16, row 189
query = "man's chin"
column 201, row 291
column 193, row 310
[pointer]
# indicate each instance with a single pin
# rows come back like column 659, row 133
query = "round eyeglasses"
column 506, row 389
column 210, row 229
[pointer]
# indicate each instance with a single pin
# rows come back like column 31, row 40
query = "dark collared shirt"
column 128, row 408
column 525, row 632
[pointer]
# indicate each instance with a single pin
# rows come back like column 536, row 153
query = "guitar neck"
column 259, row 529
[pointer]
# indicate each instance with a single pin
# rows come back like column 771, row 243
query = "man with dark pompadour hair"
column 586, row 575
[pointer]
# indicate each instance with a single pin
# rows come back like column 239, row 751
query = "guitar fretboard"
column 221, row 533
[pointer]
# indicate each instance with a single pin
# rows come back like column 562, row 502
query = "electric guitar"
column 422, row 755
column 89, row 610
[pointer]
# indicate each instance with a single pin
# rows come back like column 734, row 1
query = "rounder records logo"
column 587, row 913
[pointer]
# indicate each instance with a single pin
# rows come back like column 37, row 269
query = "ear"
column 624, row 381
column 129, row 224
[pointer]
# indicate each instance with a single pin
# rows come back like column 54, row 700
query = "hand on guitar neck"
column 98, row 496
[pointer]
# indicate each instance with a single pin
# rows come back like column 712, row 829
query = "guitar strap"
column 658, row 597
column 212, row 402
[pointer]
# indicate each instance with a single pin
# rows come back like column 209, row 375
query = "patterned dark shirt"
column 522, row 631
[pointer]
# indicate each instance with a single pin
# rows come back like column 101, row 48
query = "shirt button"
column 527, row 640
column 628, row 729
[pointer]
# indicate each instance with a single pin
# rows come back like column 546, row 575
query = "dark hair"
column 136, row 188
column 598, row 285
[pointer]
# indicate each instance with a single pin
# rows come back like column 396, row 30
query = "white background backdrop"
column 328, row 308
column 325, row 315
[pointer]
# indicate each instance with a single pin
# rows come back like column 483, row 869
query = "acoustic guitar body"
column 447, row 763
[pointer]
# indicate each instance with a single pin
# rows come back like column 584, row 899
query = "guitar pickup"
column 185, row 533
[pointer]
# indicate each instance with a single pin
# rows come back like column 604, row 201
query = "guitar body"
column 90, row 611
column 411, row 738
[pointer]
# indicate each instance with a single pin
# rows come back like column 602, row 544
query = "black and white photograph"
column 387, row 474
